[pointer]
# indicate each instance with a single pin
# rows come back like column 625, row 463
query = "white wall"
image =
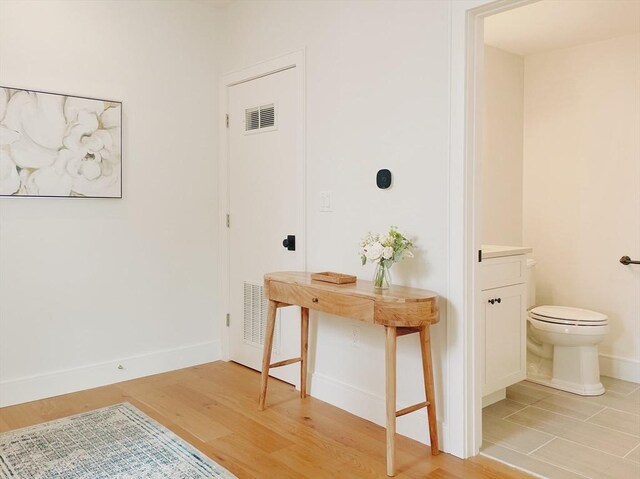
column 88, row 284
column 377, row 97
column 582, row 186
column 502, row 147
column 368, row 57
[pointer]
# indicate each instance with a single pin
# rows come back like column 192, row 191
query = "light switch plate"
column 325, row 202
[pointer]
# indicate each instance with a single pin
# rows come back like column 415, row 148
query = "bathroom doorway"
column 556, row 115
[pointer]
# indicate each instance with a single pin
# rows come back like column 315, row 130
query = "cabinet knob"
column 498, row 300
column 492, row 301
column 314, row 300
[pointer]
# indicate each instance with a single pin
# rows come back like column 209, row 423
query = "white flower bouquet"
column 385, row 249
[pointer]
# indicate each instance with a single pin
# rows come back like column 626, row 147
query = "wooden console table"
column 399, row 309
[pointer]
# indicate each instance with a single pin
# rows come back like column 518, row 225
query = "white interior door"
column 265, row 207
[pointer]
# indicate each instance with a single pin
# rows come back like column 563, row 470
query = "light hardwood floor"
column 215, row 408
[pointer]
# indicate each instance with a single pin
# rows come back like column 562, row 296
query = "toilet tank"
column 531, row 283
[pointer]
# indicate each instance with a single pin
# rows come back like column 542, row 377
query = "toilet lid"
column 567, row 322
column 568, row 313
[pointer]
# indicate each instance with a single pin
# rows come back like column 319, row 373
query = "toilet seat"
column 568, row 322
column 565, row 315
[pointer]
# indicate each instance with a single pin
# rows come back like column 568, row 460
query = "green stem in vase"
column 381, row 276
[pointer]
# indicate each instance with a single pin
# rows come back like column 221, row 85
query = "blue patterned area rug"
column 116, row 442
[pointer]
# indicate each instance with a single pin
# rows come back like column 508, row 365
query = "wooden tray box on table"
column 332, row 277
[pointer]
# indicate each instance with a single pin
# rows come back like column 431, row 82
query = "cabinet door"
column 505, row 331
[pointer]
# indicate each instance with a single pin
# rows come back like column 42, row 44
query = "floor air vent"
column 255, row 317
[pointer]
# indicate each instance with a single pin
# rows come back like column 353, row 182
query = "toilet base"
column 564, row 365
column 573, row 369
column 581, row 389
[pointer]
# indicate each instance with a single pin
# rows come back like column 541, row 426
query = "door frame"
column 295, row 60
column 465, row 359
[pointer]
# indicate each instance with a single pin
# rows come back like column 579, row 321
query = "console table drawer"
column 319, row 300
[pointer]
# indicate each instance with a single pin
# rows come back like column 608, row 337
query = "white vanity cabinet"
column 502, row 312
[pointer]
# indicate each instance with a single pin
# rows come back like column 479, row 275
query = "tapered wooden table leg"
column 304, row 350
column 427, row 369
column 390, row 362
column 266, row 354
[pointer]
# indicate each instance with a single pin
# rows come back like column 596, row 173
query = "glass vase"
column 381, row 276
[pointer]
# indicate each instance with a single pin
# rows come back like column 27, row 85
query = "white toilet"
column 562, row 345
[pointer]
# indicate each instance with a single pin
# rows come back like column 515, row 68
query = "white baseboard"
column 371, row 407
column 620, row 368
column 494, row 397
column 16, row 391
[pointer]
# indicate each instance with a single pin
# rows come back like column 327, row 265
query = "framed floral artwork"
column 59, row 145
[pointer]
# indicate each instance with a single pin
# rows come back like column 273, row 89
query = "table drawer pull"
column 314, row 300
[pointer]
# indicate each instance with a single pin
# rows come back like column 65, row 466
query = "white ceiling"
column 554, row 24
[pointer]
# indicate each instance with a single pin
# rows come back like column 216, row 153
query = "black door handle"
column 626, row 260
column 492, row 301
column 290, row 242
column 498, row 300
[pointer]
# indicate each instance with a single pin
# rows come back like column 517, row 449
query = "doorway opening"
column 553, row 115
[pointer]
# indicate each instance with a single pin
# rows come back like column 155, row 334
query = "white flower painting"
column 57, row 145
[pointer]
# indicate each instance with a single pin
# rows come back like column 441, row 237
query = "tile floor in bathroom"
column 560, row 435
